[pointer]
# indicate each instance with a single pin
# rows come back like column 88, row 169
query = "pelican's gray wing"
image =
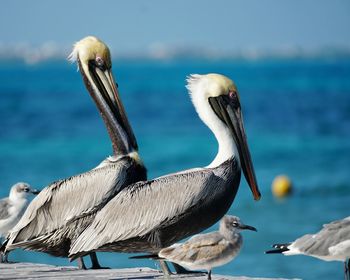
column 330, row 236
column 64, row 201
column 4, row 208
column 144, row 207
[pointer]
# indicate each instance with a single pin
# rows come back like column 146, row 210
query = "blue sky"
column 220, row 25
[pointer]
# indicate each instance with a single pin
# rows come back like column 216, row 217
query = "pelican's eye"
column 100, row 63
column 234, row 99
column 232, row 95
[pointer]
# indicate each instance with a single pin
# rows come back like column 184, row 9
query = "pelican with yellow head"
column 58, row 215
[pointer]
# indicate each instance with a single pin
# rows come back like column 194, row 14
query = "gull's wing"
column 318, row 244
column 4, row 207
column 200, row 248
column 202, row 240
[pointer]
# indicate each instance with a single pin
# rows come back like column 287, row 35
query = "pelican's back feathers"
column 50, row 215
column 174, row 198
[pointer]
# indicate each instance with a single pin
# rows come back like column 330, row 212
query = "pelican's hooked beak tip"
column 257, row 196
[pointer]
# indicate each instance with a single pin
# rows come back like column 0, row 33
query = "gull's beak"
column 34, row 191
column 242, row 226
column 104, row 91
column 229, row 111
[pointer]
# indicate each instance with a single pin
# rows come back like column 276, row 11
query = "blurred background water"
column 297, row 117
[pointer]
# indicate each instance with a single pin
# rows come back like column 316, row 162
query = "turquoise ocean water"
column 297, row 117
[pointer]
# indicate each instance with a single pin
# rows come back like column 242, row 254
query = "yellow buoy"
column 281, row 186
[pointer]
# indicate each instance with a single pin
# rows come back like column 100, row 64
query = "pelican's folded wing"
column 145, row 206
column 66, row 200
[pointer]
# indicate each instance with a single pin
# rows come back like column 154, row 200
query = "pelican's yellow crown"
column 213, row 84
column 90, row 48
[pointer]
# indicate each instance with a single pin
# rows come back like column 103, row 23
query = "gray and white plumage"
column 64, row 208
column 331, row 243
column 209, row 250
column 206, row 251
column 12, row 209
column 13, row 206
column 148, row 216
column 143, row 228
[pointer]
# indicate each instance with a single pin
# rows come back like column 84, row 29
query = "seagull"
column 205, row 251
column 331, row 243
column 12, row 209
column 66, row 207
column 148, row 216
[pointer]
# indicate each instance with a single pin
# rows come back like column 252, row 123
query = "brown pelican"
column 64, row 208
column 331, row 243
column 12, row 209
column 205, row 251
column 151, row 215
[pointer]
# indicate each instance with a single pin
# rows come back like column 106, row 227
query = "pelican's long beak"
column 104, row 91
column 229, row 111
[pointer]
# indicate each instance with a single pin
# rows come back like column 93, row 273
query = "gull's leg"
column 164, row 267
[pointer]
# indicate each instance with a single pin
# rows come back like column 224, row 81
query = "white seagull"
column 13, row 207
column 331, row 243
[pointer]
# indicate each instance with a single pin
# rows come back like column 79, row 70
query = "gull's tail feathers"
column 279, row 248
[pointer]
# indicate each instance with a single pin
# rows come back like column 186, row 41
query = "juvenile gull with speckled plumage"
column 205, row 251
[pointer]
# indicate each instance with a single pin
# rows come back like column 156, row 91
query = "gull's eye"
column 26, row 190
column 235, row 224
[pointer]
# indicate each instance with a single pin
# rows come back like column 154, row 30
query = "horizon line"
column 51, row 51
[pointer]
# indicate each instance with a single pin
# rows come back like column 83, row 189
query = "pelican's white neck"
column 197, row 86
column 227, row 147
